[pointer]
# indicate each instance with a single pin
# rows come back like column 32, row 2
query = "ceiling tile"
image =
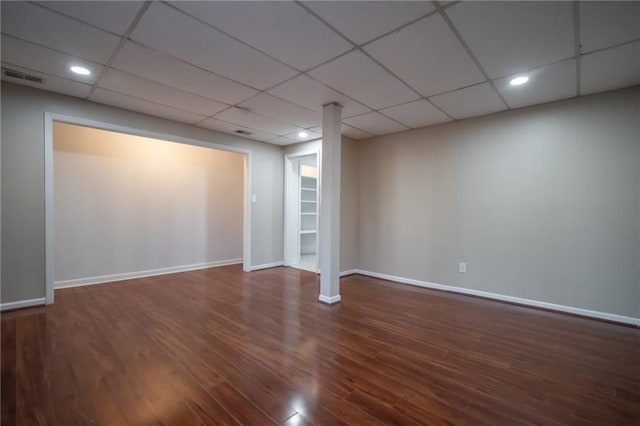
column 283, row 30
column 257, row 121
column 311, row 135
column 223, row 126
column 354, row 133
column 33, row 23
column 548, row 84
column 172, row 32
column 471, row 101
column 52, row 83
column 509, row 37
column 114, row 16
column 34, row 57
column 273, row 107
column 281, row 140
column 153, row 65
column 346, row 130
column 139, row 105
column 416, row 114
column 129, row 84
column 362, row 21
column 607, row 23
column 428, row 56
column 375, row 123
column 311, row 94
column 610, row 69
column 364, row 80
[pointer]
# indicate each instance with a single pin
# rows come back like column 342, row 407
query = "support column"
column 329, row 232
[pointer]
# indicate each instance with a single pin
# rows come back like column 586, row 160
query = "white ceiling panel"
column 273, row 107
column 471, row 101
column 375, row 123
column 548, row 84
column 129, row 84
column 607, row 23
column 311, row 94
column 139, row 105
column 223, row 126
column 364, row 80
column 511, row 36
column 362, row 21
column 311, row 135
column 611, row 69
column 346, row 130
column 281, row 140
column 281, row 29
column 256, row 121
column 52, row 83
column 172, row 32
column 33, row 23
column 153, row 65
column 114, row 16
column 428, row 56
column 419, row 113
column 354, row 133
column 32, row 56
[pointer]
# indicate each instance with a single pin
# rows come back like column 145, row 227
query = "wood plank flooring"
column 219, row 346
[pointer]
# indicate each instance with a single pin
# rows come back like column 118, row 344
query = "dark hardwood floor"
column 220, row 346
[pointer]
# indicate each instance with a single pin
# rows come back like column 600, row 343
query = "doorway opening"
column 148, row 203
column 301, row 211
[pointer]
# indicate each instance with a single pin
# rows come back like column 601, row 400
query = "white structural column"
column 329, row 232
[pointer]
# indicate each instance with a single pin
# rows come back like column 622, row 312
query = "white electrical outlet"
column 462, row 267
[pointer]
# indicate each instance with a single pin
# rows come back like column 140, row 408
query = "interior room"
column 319, row 212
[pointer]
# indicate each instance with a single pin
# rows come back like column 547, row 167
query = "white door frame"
column 288, row 176
column 50, row 117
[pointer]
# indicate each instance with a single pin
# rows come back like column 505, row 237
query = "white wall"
column 542, row 203
column 22, row 170
column 125, row 204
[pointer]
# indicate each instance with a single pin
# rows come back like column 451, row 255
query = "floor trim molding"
column 265, row 266
column 504, row 298
column 22, row 304
column 141, row 274
column 329, row 300
column 348, row 272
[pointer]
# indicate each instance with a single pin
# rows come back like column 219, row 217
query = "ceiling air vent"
column 243, row 132
column 21, row 76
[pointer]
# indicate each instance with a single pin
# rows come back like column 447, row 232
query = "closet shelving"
column 308, row 213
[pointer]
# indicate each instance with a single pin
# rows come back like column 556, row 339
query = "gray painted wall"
column 23, row 181
column 542, row 203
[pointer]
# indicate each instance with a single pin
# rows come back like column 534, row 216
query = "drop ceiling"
column 268, row 67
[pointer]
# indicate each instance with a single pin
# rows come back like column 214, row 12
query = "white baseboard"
column 329, row 300
column 22, row 304
column 141, row 274
column 504, row 298
column 348, row 272
column 265, row 266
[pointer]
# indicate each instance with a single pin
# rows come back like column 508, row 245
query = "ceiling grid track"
column 123, row 40
column 469, row 52
column 576, row 35
column 359, row 48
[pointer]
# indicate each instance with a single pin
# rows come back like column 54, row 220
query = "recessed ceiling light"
column 80, row 70
column 518, row 81
column 303, row 134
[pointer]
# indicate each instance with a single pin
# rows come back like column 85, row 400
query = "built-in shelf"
column 308, row 214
